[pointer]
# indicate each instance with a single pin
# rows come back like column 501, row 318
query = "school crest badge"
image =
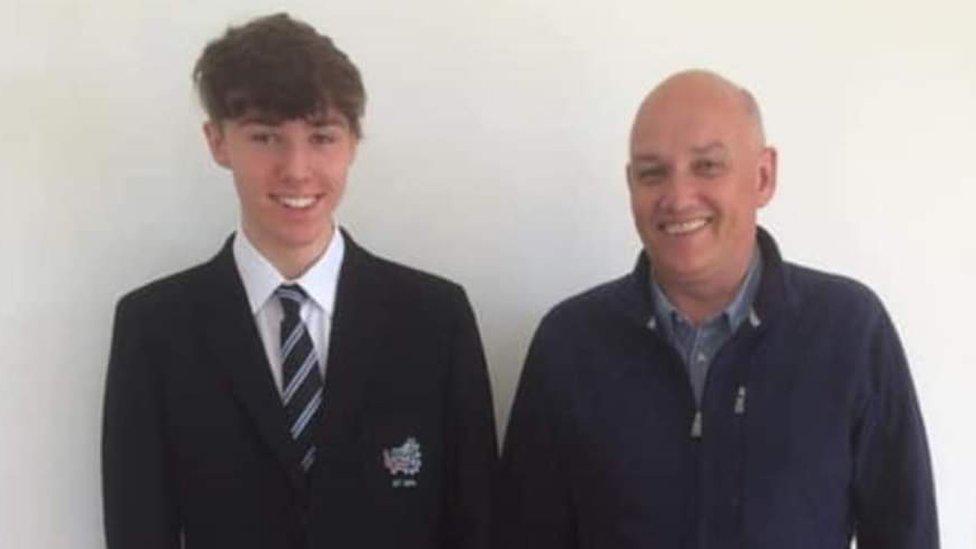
column 404, row 460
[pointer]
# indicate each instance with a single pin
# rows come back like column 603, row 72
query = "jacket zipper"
column 696, row 425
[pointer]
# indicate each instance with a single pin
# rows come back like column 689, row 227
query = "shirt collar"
column 260, row 278
column 734, row 313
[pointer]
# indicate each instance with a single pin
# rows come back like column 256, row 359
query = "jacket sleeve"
column 139, row 500
column 893, row 493
column 534, row 502
column 472, row 448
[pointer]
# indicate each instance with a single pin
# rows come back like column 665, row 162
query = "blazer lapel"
column 230, row 330
column 356, row 338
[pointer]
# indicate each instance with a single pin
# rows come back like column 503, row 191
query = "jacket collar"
column 775, row 295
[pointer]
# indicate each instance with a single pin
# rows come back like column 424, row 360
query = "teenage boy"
column 295, row 390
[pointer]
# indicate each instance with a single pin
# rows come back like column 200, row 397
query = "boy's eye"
column 323, row 138
column 262, row 137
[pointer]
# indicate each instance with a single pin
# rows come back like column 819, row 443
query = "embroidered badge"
column 403, row 460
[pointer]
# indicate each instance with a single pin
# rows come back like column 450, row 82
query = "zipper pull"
column 740, row 401
column 696, row 425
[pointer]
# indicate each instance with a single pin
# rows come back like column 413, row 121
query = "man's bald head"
column 699, row 88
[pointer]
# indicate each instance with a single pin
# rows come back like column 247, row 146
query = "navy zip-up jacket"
column 809, row 431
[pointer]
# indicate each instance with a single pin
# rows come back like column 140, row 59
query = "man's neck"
column 700, row 299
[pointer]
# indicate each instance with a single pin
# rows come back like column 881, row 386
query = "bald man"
column 716, row 396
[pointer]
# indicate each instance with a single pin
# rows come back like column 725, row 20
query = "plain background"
column 495, row 145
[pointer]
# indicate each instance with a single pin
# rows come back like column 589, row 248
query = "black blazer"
column 195, row 445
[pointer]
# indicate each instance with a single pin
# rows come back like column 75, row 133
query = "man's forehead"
column 690, row 129
column 651, row 153
column 687, row 124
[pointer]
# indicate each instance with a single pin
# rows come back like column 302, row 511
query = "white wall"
column 496, row 137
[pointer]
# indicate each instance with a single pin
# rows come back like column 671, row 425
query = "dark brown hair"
column 279, row 67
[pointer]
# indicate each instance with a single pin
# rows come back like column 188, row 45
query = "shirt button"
column 701, row 357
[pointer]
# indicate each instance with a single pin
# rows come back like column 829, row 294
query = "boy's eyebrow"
column 325, row 120
column 259, row 118
column 264, row 119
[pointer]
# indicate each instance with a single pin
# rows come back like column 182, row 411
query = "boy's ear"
column 217, row 141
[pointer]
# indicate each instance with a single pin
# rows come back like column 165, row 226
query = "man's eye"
column 651, row 174
column 708, row 167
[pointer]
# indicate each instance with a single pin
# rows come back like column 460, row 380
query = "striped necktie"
column 301, row 382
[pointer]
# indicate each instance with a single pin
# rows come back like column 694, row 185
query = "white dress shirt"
column 260, row 280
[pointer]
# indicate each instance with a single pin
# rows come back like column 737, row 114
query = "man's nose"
column 678, row 192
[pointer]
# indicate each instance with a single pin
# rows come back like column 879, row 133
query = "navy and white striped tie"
column 301, row 381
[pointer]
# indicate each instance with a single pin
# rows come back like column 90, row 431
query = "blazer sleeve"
column 894, row 497
column 139, row 500
column 472, row 448
column 534, row 504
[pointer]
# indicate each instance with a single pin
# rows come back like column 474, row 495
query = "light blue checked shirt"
column 698, row 346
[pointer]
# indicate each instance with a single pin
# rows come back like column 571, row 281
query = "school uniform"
column 197, row 448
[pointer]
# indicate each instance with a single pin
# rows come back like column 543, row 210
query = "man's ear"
column 767, row 175
column 217, row 142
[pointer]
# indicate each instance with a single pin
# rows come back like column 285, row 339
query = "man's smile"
column 688, row 226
